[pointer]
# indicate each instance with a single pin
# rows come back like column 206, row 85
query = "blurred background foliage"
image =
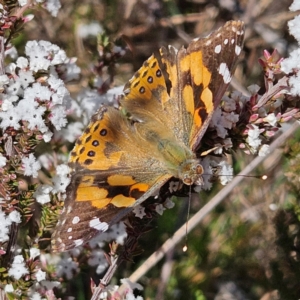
column 248, row 248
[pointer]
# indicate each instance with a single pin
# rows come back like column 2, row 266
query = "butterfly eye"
column 199, row 169
column 187, row 180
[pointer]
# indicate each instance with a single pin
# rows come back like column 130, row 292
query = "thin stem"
column 197, row 218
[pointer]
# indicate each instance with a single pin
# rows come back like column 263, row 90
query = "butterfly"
column 127, row 154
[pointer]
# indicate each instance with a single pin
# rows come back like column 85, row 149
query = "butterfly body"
column 125, row 155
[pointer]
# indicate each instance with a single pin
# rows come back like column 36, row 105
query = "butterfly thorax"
column 181, row 162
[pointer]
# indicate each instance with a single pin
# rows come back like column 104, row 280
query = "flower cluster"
column 123, row 292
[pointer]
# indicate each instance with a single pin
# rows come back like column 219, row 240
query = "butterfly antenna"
column 185, row 247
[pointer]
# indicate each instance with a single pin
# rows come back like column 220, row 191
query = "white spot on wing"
column 226, row 41
column 171, row 48
column 78, row 242
column 69, row 229
column 208, row 42
column 237, row 50
column 218, row 49
column 69, row 209
column 97, row 224
column 232, row 41
column 70, row 237
column 224, row 71
column 75, row 220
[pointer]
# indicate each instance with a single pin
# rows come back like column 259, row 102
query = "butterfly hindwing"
column 181, row 88
column 106, row 181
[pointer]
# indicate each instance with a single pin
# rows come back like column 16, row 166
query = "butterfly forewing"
column 200, row 75
column 220, row 52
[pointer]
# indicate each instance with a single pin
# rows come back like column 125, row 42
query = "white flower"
column 131, row 285
column 207, row 184
column 47, row 136
column 216, row 122
column 18, row 268
column 271, row 119
column 117, row 232
column 36, row 296
column 34, row 252
column 72, row 131
column 225, row 174
column 97, row 258
column 40, row 275
column 37, row 56
column 60, row 90
column 72, row 71
column 22, row 2
column 159, row 209
column 273, row 206
column 59, row 57
column 253, row 137
column 14, row 88
column 264, row 150
column 66, row 267
column 4, row 231
column 37, row 92
column 22, row 62
column 174, row 186
column 228, row 119
column 228, row 104
column 169, row 203
column 294, row 82
column 292, row 62
column 6, row 105
column 58, row 116
column 34, row 117
column 60, row 183
column 15, row 216
column 42, row 193
column 91, row 29
column 4, row 228
column 49, row 285
column 8, row 288
column 139, row 211
column 4, row 80
column 2, row 161
column 10, row 118
column 295, row 5
column 31, row 166
column 11, row 68
column 25, row 78
column 62, row 170
column 294, row 25
column 253, row 89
